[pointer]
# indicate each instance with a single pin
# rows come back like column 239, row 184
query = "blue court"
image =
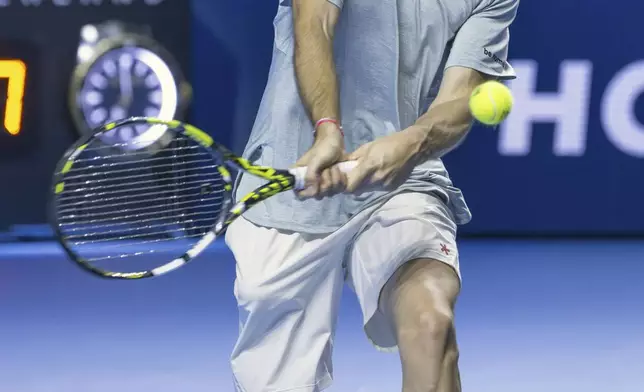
column 534, row 316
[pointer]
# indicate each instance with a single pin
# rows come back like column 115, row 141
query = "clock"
column 124, row 73
column 46, row 49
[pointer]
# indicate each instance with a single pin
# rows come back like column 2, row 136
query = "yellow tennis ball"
column 491, row 102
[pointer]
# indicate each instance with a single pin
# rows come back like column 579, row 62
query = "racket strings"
column 77, row 195
column 132, row 149
column 142, row 156
column 77, row 220
column 142, row 251
column 136, row 177
column 83, row 191
column 84, row 200
column 125, row 205
column 87, row 225
column 111, row 167
column 122, row 233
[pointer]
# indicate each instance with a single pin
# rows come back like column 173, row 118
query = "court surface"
column 534, row 316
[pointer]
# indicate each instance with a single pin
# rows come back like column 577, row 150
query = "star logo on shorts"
column 445, row 249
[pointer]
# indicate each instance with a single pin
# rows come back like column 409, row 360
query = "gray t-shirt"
column 390, row 56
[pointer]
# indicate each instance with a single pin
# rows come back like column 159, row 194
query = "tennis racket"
column 133, row 207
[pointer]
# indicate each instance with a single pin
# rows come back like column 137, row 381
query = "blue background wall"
column 535, row 315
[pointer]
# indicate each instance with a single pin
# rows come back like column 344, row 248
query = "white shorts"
column 289, row 284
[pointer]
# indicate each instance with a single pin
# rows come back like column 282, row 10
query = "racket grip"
column 300, row 172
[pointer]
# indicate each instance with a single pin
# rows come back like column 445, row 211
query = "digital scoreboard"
column 15, row 72
column 46, row 95
column 18, row 96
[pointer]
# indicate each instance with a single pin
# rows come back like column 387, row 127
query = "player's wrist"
column 416, row 140
column 328, row 127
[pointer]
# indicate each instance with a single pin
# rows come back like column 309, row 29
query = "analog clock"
column 125, row 82
column 128, row 75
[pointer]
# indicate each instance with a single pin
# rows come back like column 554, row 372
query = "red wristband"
column 328, row 120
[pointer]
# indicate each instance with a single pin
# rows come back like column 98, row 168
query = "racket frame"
column 278, row 181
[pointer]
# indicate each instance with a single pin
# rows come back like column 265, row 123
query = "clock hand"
column 125, row 82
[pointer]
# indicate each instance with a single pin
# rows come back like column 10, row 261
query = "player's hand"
column 384, row 163
column 321, row 178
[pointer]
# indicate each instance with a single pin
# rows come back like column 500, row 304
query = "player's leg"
column 419, row 300
column 288, row 288
column 404, row 269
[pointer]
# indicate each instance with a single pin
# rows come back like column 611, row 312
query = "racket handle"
column 300, row 172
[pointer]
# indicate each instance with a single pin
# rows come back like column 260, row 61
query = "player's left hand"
column 322, row 177
column 384, row 163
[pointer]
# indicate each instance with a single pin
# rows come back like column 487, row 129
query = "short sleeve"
column 482, row 41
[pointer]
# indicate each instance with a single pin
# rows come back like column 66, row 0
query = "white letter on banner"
column 567, row 108
column 618, row 112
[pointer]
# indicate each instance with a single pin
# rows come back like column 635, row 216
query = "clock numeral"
column 15, row 71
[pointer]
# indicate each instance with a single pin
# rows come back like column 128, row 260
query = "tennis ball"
column 491, row 102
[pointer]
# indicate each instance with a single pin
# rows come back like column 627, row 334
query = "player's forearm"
column 315, row 66
column 441, row 129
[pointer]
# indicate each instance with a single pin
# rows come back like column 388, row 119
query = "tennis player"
column 385, row 83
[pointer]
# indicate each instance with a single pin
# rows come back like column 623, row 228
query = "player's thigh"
column 409, row 227
column 288, row 287
column 276, row 263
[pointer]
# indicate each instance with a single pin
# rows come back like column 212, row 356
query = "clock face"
column 126, row 82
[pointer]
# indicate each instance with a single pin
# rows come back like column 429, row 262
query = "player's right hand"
column 322, row 178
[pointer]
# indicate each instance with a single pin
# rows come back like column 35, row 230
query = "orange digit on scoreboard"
column 15, row 71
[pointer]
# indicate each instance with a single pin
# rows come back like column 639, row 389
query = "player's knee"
column 427, row 325
column 435, row 324
column 430, row 316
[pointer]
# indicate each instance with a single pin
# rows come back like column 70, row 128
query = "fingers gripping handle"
column 300, row 172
